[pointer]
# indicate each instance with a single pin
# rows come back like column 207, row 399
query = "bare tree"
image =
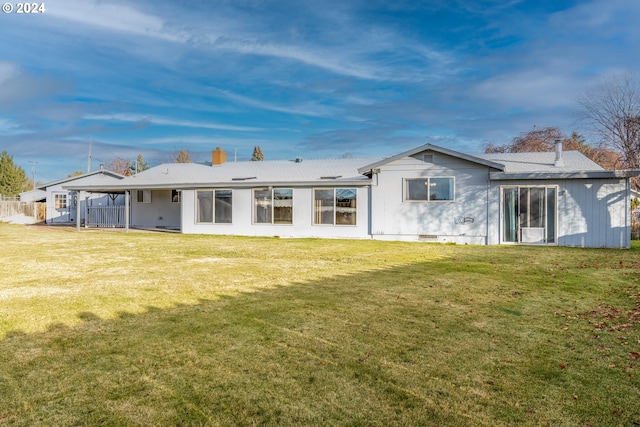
column 535, row 140
column 181, row 156
column 119, row 165
column 543, row 139
column 613, row 109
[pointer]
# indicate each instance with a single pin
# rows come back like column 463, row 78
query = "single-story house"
column 63, row 204
column 429, row 193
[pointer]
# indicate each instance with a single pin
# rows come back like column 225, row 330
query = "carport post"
column 79, row 196
column 127, row 203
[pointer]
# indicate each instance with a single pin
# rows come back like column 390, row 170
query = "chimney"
column 558, row 162
column 218, row 156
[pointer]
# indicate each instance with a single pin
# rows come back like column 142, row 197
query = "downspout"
column 627, row 213
column 374, row 182
column 486, row 233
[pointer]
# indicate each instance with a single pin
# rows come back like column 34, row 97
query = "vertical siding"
column 591, row 212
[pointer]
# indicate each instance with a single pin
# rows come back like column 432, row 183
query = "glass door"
column 528, row 214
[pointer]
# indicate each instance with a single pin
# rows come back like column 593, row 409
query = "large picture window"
column 336, row 206
column 214, row 206
column 429, row 189
column 273, row 206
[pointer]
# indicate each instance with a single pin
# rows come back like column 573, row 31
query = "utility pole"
column 89, row 156
column 33, row 172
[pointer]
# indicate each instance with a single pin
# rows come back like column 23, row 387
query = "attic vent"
column 427, row 158
column 243, row 178
column 331, row 177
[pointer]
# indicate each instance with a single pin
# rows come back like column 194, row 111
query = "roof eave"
column 73, row 178
column 602, row 174
column 225, row 184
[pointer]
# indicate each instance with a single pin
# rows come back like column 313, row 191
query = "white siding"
column 591, row 213
column 68, row 215
column 394, row 218
column 242, row 217
column 160, row 213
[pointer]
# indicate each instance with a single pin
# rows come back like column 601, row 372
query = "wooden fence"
column 22, row 212
column 106, row 216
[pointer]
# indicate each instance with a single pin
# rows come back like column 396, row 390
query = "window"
column 429, row 189
column 214, row 206
column 336, row 206
column 60, row 201
column 223, row 206
column 144, row 196
column 175, row 196
column 273, row 206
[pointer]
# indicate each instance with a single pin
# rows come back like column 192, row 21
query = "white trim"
column 335, row 207
column 405, row 190
column 501, row 229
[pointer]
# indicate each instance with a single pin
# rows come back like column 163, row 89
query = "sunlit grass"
column 167, row 329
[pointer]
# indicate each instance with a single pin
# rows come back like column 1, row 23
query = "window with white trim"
column 214, row 206
column 436, row 189
column 273, row 206
column 334, row 206
column 60, row 200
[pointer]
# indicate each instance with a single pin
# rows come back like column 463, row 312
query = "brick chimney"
column 218, row 156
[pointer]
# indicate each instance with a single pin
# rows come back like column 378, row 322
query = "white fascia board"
column 601, row 174
column 225, row 184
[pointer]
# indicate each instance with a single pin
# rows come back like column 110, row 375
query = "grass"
column 102, row 328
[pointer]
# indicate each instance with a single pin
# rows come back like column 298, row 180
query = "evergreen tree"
column 258, row 156
column 13, row 179
column 139, row 165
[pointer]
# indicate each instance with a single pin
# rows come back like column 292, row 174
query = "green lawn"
column 108, row 328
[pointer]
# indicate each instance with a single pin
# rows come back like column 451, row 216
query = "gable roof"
column 94, row 176
column 437, row 149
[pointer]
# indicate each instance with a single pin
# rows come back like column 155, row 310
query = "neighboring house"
column 429, row 193
column 64, row 206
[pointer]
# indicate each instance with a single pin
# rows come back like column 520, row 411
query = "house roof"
column 95, row 177
column 437, row 149
column 33, row 195
column 241, row 174
column 574, row 161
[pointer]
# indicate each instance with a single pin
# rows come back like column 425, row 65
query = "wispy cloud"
column 112, row 17
column 161, row 121
column 304, row 109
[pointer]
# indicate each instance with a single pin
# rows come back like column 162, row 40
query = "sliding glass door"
column 529, row 215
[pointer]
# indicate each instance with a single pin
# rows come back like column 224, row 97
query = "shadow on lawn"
column 411, row 345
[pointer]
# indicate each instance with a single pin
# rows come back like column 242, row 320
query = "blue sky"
column 311, row 79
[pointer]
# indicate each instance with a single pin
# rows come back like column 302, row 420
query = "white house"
column 63, row 203
column 429, row 193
